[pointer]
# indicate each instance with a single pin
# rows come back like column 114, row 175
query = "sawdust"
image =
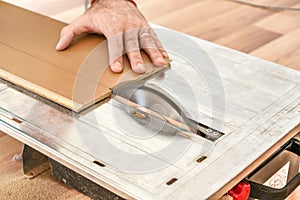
column 13, row 184
column 42, row 187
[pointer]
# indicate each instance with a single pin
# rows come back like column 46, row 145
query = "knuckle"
column 131, row 38
column 118, row 43
column 115, row 41
column 132, row 44
column 147, row 43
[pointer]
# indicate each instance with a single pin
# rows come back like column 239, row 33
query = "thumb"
column 70, row 31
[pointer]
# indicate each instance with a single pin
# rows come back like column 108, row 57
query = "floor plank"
column 227, row 22
column 292, row 60
column 248, row 38
column 283, row 47
column 288, row 21
column 245, row 28
column 9, row 148
column 2, row 134
column 195, row 19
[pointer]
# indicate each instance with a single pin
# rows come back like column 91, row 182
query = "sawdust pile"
column 41, row 187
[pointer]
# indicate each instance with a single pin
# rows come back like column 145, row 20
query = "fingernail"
column 139, row 68
column 165, row 54
column 58, row 46
column 116, row 67
column 160, row 62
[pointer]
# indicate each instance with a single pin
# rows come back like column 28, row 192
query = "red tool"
column 240, row 192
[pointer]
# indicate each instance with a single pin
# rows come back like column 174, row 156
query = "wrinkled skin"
column 126, row 30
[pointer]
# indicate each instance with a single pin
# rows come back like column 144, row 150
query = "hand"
column 126, row 30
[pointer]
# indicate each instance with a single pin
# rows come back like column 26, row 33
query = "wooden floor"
column 268, row 34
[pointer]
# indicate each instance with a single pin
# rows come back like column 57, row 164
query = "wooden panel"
column 51, row 82
column 74, row 78
column 65, row 11
column 48, row 7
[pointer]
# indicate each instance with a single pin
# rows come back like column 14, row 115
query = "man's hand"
column 126, row 31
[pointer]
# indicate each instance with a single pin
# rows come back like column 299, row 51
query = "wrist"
column 94, row 1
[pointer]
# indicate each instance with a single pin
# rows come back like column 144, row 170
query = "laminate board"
column 37, row 36
column 75, row 78
column 65, row 11
column 62, row 87
column 48, row 7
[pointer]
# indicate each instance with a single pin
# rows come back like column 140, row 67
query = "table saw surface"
column 255, row 104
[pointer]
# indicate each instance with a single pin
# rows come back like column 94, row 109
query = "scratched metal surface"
column 254, row 102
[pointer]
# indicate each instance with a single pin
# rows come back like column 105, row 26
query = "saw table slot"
column 173, row 180
column 17, row 120
column 208, row 133
column 139, row 115
column 201, row 159
column 99, row 163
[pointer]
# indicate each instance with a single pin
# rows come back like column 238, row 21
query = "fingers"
column 70, row 31
column 115, row 52
column 150, row 45
column 131, row 43
column 158, row 44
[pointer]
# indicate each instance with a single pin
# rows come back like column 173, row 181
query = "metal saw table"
column 246, row 106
